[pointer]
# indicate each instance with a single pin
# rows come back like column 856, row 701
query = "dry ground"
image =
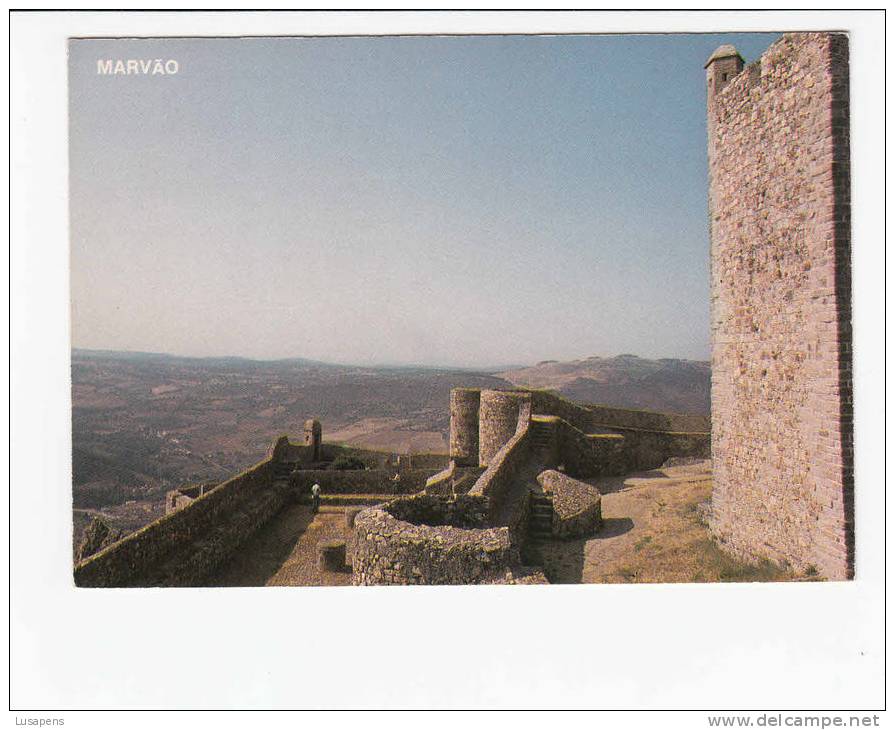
column 653, row 533
column 390, row 434
column 284, row 552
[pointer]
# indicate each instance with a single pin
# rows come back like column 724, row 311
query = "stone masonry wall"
column 587, row 455
column 184, row 546
column 628, row 450
column 361, row 481
column 592, row 417
column 576, row 505
column 502, row 473
column 464, row 439
column 390, row 549
column 781, row 312
column 498, row 419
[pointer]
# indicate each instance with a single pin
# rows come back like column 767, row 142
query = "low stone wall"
column 576, row 505
column 361, row 481
column 432, row 462
column 168, row 551
column 435, row 511
column 548, row 403
column 382, row 459
column 588, row 418
column 588, row 455
column 419, row 540
column 648, row 420
column 626, row 451
column 441, row 482
column 650, row 449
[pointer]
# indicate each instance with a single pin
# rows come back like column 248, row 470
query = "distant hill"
column 626, row 381
column 143, row 423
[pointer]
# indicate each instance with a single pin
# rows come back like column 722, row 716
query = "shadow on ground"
column 563, row 560
column 264, row 554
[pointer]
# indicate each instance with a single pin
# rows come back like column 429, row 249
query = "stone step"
column 347, row 500
column 333, row 508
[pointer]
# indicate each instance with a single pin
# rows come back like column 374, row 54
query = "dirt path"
column 284, row 552
column 653, row 533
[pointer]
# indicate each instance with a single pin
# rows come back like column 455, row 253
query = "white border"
column 801, row 646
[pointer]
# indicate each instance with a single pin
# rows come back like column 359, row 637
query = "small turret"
column 723, row 65
column 313, row 439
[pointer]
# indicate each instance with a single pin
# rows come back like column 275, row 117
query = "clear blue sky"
column 471, row 201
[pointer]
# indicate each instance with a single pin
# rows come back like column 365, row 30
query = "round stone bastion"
column 465, row 426
column 498, row 419
column 427, row 539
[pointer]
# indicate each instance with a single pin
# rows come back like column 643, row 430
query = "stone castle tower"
column 778, row 148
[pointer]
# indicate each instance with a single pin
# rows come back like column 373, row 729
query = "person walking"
column 315, row 497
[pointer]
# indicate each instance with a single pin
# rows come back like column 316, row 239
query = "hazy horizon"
column 428, row 366
column 448, row 202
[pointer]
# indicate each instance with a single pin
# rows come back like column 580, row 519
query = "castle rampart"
column 205, row 525
column 779, row 203
column 590, row 440
column 164, row 552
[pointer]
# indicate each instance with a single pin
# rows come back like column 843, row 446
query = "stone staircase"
column 542, row 441
column 540, row 520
